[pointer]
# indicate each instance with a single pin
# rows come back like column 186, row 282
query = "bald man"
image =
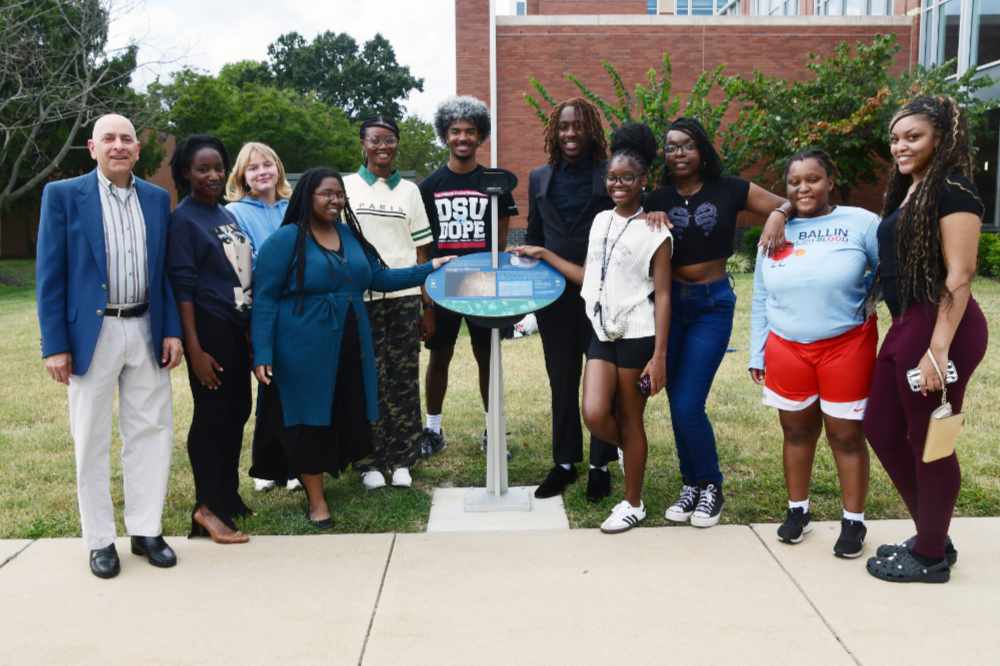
column 108, row 319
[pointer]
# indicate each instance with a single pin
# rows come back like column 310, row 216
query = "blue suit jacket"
column 72, row 268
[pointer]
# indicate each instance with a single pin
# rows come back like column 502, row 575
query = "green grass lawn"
column 37, row 488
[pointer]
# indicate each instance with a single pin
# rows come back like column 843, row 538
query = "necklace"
column 687, row 197
column 616, row 329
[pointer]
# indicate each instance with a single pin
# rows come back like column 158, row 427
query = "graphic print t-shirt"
column 459, row 211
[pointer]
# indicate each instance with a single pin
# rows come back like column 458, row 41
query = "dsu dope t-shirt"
column 459, row 210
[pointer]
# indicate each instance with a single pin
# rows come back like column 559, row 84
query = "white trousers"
column 123, row 358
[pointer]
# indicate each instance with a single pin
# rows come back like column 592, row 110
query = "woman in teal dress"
column 311, row 335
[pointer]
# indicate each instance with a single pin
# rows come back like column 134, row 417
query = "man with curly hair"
column 460, row 216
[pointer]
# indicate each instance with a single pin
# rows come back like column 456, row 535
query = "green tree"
column 361, row 82
column 419, row 150
column 304, row 131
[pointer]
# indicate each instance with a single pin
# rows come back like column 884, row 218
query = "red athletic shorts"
column 836, row 371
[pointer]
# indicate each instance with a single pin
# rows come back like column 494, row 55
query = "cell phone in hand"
column 914, row 378
column 645, row 385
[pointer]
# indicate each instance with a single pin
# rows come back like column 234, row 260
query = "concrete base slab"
column 883, row 623
column 449, row 513
column 481, row 500
column 650, row 596
column 11, row 547
column 281, row 600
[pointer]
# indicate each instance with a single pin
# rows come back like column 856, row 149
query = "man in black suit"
column 563, row 198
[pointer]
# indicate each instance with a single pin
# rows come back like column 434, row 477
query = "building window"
column 987, row 173
column 776, row 7
column 651, row 7
column 986, row 32
column 521, row 8
column 854, row 7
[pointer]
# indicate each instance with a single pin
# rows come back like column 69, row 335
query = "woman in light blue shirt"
column 812, row 342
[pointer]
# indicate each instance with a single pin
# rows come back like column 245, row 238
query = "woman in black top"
column 928, row 242
column 702, row 206
column 209, row 264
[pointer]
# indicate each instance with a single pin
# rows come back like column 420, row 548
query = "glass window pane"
column 949, row 15
column 650, row 6
column 986, row 32
column 879, row 7
column 855, row 8
column 987, row 174
column 702, row 7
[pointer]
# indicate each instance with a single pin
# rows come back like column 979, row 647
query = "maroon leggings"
column 896, row 418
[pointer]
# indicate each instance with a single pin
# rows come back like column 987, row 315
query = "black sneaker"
column 852, row 539
column 556, row 482
column 886, row 550
column 510, row 454
column 680, row 511
column 709, row 509
column 598, row 484
column 798, row 523
column 430, row 442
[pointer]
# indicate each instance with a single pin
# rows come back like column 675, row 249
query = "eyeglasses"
column 625, row 179
column 330, row 195
column 388, row 141
column 685, row 148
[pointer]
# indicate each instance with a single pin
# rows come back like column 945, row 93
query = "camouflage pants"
column 396, row 339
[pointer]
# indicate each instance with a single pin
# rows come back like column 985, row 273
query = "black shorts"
column 632, row 353
column 446, row 325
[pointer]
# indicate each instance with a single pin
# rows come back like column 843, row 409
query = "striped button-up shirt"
column 125, row 242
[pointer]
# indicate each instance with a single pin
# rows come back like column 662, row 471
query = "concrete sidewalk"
column 728, row 595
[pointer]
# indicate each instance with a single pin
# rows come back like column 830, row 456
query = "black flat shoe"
column 903, row 567
column 555, row 483
column 154, row 549
column 598, row 484
column 325, row 524
column 104, row 562
column 885, row 550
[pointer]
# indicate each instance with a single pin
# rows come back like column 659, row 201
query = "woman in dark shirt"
column 702, row 206
column 209, row 264
column 928, row 242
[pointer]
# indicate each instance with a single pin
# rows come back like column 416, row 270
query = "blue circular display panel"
column 470, row 286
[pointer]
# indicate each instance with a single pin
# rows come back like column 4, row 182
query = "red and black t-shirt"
column 459, row 211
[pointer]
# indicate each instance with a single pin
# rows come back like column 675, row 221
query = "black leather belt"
column 125, row 313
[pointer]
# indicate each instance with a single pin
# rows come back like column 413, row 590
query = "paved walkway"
column 728, row 595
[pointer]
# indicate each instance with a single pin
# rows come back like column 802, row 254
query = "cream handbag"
column 944, row 426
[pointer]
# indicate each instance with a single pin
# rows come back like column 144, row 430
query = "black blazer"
column 567, row 238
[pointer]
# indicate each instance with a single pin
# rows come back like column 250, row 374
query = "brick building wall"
column 548, row 47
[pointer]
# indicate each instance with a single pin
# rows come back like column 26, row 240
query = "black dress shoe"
column 556, row 482
column 324, row 524
column 598, row 484
column 155, row 549
column 104, row 562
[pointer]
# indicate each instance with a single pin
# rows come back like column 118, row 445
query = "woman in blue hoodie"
column 258, row 193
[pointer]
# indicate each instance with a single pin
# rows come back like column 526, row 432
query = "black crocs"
column 903, row 567
column 889, row 549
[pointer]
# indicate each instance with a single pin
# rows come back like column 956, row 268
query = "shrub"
column 989, row 255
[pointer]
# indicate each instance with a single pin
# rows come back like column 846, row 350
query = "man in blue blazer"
column 108, row 319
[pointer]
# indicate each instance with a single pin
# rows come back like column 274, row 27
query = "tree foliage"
column 56, row 77
column 419, row 150
column 304, row 131
column 843, row 108
column 362, row 82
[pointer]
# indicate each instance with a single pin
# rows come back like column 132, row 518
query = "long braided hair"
column 590, row 122
column 918, row 233
column 299, row 213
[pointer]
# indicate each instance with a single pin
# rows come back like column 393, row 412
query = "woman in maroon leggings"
column 928, row 240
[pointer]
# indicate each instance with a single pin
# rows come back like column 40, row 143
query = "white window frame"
column 780, row 10
column 719, row 7
column 823, row 7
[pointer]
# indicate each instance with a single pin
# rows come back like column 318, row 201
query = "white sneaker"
column 373, row 479
column 624, row 517
column 401, row 478
column 262, row 485
column 293, row 484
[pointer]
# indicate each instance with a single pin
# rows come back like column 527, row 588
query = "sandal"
column 889, row 549
column 903, row 567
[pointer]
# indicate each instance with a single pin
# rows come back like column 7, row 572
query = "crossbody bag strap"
column 937, row 369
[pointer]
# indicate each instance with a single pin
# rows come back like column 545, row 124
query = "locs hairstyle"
column 299, row 213
column 918, row 234
column 636, row 142
column 711, row 163
column 184, row 154
column 590, row 120
column 462, row 107
column 820, row 156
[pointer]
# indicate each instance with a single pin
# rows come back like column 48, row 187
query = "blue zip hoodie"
column 257, row 219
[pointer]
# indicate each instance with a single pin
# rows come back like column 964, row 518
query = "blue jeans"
column 701, row 321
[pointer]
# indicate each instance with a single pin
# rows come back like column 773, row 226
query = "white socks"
column 434, row 423
column 565, row 466
column 803, row 504
column 603, row 468
column 860, row 517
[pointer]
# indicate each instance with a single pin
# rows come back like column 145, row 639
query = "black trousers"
column 566, row 334
column 216, row 434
